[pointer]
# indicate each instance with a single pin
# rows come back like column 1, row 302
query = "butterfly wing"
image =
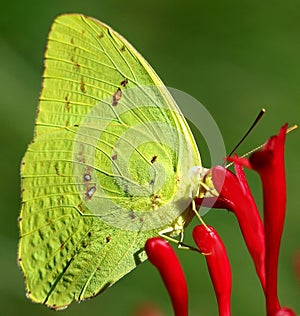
column 92, row 192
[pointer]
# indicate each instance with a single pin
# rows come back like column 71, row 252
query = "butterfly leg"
column 179, row 243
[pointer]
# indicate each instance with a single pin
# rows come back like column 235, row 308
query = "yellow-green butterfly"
column 110, row 166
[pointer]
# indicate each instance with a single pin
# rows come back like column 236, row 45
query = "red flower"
column 269, row 163
column 163, row 257
column 235, row 195
column 211, row 245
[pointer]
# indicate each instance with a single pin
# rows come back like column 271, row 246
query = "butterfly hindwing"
column 66, row 251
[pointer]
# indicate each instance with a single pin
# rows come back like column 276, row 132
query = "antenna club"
column 292, row 128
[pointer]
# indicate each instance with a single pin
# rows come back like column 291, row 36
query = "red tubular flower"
column 269, row 163
column 163, row 257
column 235, row 195
column 210, row 244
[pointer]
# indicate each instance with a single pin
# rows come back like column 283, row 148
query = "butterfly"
column 111, row 165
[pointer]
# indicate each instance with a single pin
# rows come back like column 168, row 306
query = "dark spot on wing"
column 155, row 201
column 90, row 192
column 77, row 65
column 87, row 177
column 62, row 246
column 124, row 82
column 89, row 234
column 132, row 215
column 107, row 239
column 114, row 157
column 56, row 170
column 82, row 86
column 117, row 97
column 67, row 103
column 81, row 159
column 19, row 219
column 101, row 35
column 81, row 210
column 154, row 158
column 123, row 48
column 151, row 182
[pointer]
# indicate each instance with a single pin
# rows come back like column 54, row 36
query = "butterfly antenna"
column 290, row 129
column 259, row 116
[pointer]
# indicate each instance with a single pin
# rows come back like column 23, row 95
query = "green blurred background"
column 233, row 56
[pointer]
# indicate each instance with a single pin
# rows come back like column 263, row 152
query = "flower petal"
column 210, row 244
column 163, row 257
column 234, row 191
column 269, row 163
